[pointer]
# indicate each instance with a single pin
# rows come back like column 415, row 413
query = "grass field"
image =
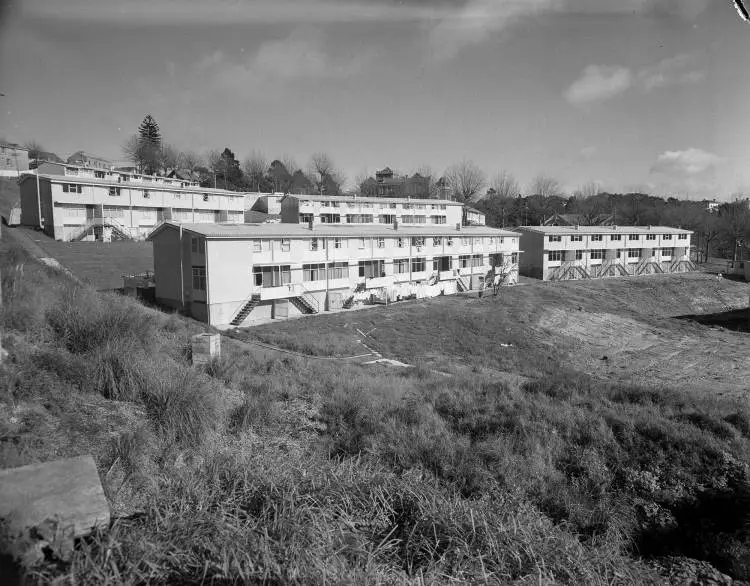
column 527, row 458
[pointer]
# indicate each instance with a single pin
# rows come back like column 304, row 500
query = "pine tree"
column 149, row 144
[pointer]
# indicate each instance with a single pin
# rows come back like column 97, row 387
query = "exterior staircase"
column 682, row 265
column 306, row 303
column 462, row 284
column 245, row 311
column 570, row 271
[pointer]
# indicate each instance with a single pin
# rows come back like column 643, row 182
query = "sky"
column 644, row 95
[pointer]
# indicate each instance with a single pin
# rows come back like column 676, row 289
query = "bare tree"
column 134, row 151
column 255, row 166
column 545, row 186
column 431, row 178
column 504, row 185
column 169, row 158
column 215, row 163
column 289, row 162
column 324, row 175
column 465, row 180
column 588, row 189
column 190, row 161
column 33, row 147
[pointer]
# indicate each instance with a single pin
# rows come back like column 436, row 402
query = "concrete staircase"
column 245, row 310
column 305, row 303
column 462, row 283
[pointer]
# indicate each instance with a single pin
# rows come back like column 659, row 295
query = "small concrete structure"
column 49, row 505
column 205, row 348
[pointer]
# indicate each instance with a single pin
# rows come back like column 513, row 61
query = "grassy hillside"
column 10, row 196
column 304, row 471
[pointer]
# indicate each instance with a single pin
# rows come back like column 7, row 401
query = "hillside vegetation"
column 302, row 471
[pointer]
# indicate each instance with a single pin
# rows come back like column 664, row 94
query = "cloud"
column 680, row 69
column 588, row 152
column 689, row 162
column 599, row 82
column 301, row 55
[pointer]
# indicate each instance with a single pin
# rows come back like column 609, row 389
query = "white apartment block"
column 322, row 209
column 581, row 252
column 240, row 275
column 71, row 202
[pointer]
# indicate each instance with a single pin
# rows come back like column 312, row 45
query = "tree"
column 255, row 166
column 465, row 180
column 504, row 185
column 544, row 185
column 169, row 158
column 191, row 161
column 324, row 176
column 149, row 144
column 432, row 191
column 588, row 189
column 230, row 170
column 34, row 148
column 279, row 176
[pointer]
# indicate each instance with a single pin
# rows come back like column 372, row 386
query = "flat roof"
column 347, row 199
column 293, row 230
column 156, row 186
column 562, row 230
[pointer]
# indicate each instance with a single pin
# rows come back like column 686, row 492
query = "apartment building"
column 582, row 252
column 321, row 209
column 84, row 159
column 71, row 202
column 14, row 160
column 245, row 274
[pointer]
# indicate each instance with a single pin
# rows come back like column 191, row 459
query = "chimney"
column 310, row 223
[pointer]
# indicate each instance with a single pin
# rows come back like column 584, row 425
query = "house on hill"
column 84, row 159
column 14, row 160
column 558, row 219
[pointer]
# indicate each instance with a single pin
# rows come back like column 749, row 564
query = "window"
column 407, row 219
column 417, row 241
column 666, row 237
column 271, row 276
column 406, row 206
column 387, row 218
column 392, row 206
column 314, row 244
column 401, row 266
column 361, row 243
column 634, row 236
column 314, row 272
column 682, row 237
column 465, row 241
column 650, row 236
column 464, row 261
column 198, row 245
column 206, row 197
column 438, row 219
column 418, row 265
column 338, row 270
column 579, row 254
column 334, row 204
column 449, row 241
column 437, row 241
column 330, row 218
column 381, row 242
column 634, row 253
column 554, row 255
column 359, row 218
column 285, row 245
column 114, row 191
column 99, row 174
column 337, row 242
column 554, row 238
column 666, row 252
column 654, row 251
column 477, row 260
column 371, row 269
column 71, row 188
column 400, row 242
column 596, row 237
column 199, row 278
column 477, row 242
column 597, row 254
column 615, row 236
column 257, row 246
column 576, row 238
column 146, row 194
column 305, row 218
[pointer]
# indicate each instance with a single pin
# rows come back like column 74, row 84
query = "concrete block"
column 205, row 348
column 49, row 505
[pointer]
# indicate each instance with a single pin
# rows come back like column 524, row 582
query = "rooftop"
column 160, row 186
column 603, row 229
column 248, row 231
column 383, row 200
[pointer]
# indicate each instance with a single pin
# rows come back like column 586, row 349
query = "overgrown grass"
column 286, row 470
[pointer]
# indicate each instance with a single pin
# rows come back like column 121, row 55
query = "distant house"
column 88, row 160
column 579, row 220
column 472, row 217
column 387, row 184
column 712, row 206
column 44, row 157
column 14, row 160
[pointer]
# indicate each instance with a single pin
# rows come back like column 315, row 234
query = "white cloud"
column 588, row 152
column 301, row 55
column 689, row 162
column 599, row 82
column 680, row 69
